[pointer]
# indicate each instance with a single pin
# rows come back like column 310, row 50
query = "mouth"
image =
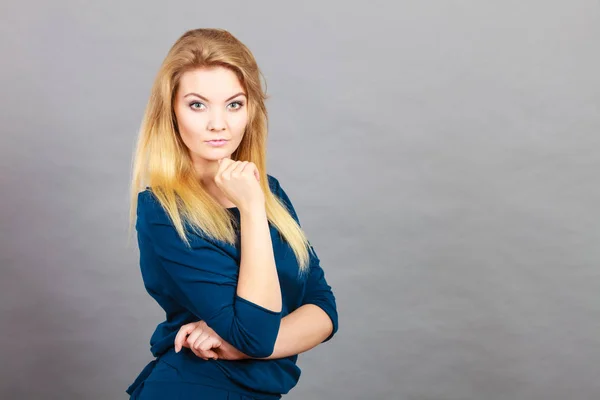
column 216, row 142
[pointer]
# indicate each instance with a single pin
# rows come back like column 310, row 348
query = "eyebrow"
column 208, row 101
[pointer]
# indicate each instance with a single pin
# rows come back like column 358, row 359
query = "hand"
column 206, row 343
column 239, row 181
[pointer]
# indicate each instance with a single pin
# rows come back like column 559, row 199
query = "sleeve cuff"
column 239, row 299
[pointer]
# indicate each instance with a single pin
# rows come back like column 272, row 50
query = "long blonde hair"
column 162, row 161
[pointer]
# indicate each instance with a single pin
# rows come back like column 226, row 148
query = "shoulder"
column 147, row 199
column 273, row 183
column 283, row 196
column 278, row 191
column 150, row 208
column 154, row 219
column 146, row 195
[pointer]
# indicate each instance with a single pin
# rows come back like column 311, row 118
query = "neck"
column 205, row 171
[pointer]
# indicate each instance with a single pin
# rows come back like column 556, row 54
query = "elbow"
column 329, row 307
column 254, row 340
column 258, row 342
column 263, row 350
column 333, row 316
column 254, row 328
column 254, row 334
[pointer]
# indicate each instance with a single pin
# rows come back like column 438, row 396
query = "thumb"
column 211, row 354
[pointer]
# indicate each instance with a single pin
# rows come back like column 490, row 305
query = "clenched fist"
column 205, row 343
column 239, row 181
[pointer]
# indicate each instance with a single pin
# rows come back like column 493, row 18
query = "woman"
column 221, row 246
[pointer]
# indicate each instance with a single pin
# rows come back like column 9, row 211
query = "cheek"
column 189, row 128
column 238, row 122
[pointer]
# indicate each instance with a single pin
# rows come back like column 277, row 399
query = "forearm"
column 258, row 281
column 300, row 331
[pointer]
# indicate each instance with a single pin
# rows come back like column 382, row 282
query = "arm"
column 316, row 320
column 301, row 330
column 313, row 323
column 204, row 279
column 258, row 280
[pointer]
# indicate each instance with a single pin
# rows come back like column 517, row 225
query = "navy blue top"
column 200, row 284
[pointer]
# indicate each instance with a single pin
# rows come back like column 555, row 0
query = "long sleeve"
column 318, row 291
column 204, row 280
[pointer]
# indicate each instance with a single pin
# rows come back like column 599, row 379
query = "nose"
column 216, row 121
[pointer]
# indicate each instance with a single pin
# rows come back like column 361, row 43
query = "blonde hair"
column 162, row 161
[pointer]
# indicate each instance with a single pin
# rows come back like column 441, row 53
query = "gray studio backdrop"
column 443, row 157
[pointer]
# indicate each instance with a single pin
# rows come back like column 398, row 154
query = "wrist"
column 253, row 210
column 232, row 353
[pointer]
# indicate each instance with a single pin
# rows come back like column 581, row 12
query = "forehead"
column 216, row 83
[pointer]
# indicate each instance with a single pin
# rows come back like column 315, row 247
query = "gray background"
column 443, row 157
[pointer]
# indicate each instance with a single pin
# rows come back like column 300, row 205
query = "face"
column 210, row 104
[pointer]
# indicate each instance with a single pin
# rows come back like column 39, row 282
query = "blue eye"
column 239, row 103
column 195, row 102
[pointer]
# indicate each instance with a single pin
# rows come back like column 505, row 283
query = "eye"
column 196, row 102
column 239, row 104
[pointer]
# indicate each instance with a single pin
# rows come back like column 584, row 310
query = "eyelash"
column 241, row 104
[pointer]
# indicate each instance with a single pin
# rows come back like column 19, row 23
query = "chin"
column 221, row 154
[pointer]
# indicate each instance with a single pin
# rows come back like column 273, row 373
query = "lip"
column 217, row 142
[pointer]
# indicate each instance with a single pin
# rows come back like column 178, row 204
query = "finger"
column 210, row 354
column 223, row 164
column 237, row 171
column 181, row 335
column 207, row 347
column 194, row 336
column 199, row 354
column 206, row 355
column 203, row 348
column 251, row 169
column 210, row 343
column 204, row 338
column 226, row 174
column 201, row 339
